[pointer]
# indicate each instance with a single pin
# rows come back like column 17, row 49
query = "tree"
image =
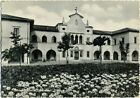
column 16, row 52
column 124, row 49
column 65, row 45
column 100, row 41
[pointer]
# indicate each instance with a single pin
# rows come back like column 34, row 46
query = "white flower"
column 119, row 83
column 102, row 82
column 127, row 86
column 44, row 94
column 97, row 86
column 47, row 90
column 101, row 91
column 34, row 83
column 92, row 85
column 26, row 84
column 43, row 77
column 123, row 75
column 86, row 76
column 30, row 93
column 44, row 85
column 125, row 83
column 32, row 88
column 11, row 93
column 70, row 93
column 86, row 89
column 94, row 90
column 8, row 88
column 114, row 85
column 134, row 84
column 87, row 83
column 18, row 95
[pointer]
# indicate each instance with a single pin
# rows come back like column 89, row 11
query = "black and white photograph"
column 60, row 48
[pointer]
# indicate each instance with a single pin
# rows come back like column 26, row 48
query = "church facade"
column 45, row 40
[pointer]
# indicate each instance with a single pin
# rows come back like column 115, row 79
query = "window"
column 16, row 30
column 53, row 39
column 80, row 39
column 135, row 40
column 34, row 38
column 108, row 41
column 76, row 39
column 63, row 28
column 44, row 39
column 123, row 40
column 71, row 54
column 63, row 54
column 88, row 53
column 87, row 30
column 81, row 53
column 72, row 39
column 114, row 41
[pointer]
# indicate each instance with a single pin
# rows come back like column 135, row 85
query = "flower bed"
column 66, row 81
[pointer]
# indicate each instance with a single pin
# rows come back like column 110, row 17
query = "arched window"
column 80, row 39
column 53, row 39
column 44, row 39
column 135, row 56
column 107, row 55
column 34, row 38
column 96, row 55
column 115, row 55
column 72, row 39
column 108, row 42
column 76, row 39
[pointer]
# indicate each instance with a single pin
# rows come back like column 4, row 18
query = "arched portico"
column 37, row 55
column 96, row 55
column 106, row 55
column 51, row 55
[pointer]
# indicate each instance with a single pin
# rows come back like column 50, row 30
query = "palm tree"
column 100, row 41
column 65, row 45
column 124, row 49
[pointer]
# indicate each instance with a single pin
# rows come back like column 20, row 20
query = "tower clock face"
column 76, row 22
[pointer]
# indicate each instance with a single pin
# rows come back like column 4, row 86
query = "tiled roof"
column 99, row 32
column 124, row 30
column 60, row 24
column 76, row 14
column 45, row 28
column 15, row 18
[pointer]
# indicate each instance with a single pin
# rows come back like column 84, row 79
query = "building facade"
column 45, row 40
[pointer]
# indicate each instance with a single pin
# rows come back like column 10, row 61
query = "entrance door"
column 76, row 56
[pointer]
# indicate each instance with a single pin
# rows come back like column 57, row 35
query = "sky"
column 102, row 15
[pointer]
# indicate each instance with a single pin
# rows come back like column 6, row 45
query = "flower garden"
column 79, row 80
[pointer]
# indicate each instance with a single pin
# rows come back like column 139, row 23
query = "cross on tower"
column 75, row 9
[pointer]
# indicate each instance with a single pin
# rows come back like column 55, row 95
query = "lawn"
column 77, row 80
